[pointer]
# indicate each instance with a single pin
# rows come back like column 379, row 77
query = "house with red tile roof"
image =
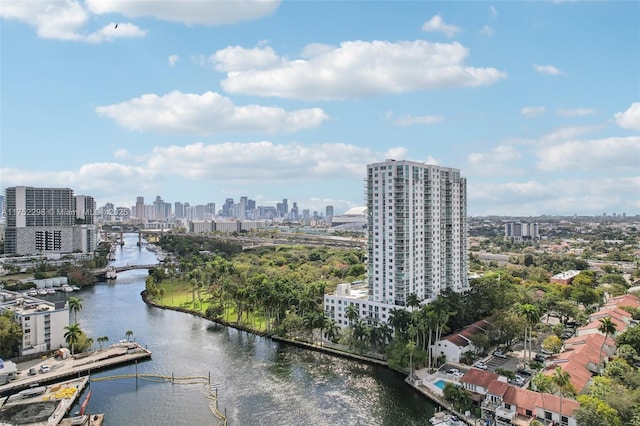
column 624, row 300
column 507, row 405
column 581, row 357
column 621, row 318
column 478, row 381
column 458, row 343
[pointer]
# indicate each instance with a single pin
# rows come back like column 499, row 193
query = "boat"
column 444, row 419
column 32, row 292
column 75, row 287
column 31, row 392
column 79, row 420
column 51, row 291
column 66, row 289
column 42, row 291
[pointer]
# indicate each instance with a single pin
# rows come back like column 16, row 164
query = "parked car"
column 524, row 372
column 499, row 354
column 518, row 380
column 44, row 368
column 540, row 357
column 453, row 371
column 32, row 372
column 481, row 365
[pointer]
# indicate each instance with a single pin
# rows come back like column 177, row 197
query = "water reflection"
column 259, row 381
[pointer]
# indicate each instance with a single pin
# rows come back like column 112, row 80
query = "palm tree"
column 72, row 335
column 75, row 306
column 562, row 381
column 532, row 316
column 607, row 327
column 128, row 333
column 101, row 340
column 332, row 330
column 411, row 347
column 90, row 343
column 413, row 301
column 351, row 313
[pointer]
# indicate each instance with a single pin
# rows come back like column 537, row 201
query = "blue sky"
column 537, row 103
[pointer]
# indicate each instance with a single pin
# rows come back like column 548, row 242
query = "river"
column 259, row 381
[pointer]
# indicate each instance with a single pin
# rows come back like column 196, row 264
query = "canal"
column 259, row 381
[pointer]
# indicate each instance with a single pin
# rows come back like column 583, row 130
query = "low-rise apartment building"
column 42, row 322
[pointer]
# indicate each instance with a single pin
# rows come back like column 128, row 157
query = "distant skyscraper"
column 329, row 212
column 178, row 210
column 417, row 231
column 140, row 208
column 85, row 209
column 242, row 208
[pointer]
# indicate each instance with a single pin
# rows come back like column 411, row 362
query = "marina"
column 54, row 369
column 44, row 405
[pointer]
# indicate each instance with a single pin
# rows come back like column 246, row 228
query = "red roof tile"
column 479, row 377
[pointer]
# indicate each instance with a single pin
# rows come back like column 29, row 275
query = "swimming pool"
column 440, row 383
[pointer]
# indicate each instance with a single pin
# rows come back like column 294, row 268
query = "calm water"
column 259, row 382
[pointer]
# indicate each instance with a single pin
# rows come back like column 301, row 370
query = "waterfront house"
column 455, row 345
column 506, row 405
column 477, row 382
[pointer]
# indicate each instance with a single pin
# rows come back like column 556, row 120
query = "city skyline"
column 537, row 104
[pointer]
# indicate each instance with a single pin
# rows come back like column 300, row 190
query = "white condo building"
column 417, row 237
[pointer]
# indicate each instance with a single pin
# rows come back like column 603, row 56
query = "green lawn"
column 178, row 293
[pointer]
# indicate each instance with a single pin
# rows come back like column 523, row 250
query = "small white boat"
column 51, row 291
column 32, row 292
column 67, row 289
column 31, row 392
column 42, row 292
column 75, row 287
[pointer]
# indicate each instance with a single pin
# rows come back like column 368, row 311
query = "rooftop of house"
column 479, row 378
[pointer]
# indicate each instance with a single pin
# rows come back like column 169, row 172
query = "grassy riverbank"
column 181, row 295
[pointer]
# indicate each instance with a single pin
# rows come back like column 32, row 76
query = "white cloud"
column 547, row 69
column 205, row 114
column 487, row 31
column 263, row 162
column 228, row 165
column 94, row 179
column 238, row 58
column 532, row 111
column 410, row 120
column 437, row 24
column 500, row 160
column 64, row 20
column 397, row 152
column 68, row 20
column 354, row 69
column 493, row 12
column 499, row 154
column 173, row 60
column 565, row 197
column 610, row 154
column 629, row 119
column 566, row 133
column 210, row 12
column 577, row 112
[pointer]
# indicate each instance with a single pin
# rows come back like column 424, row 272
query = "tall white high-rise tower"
column 417, row 231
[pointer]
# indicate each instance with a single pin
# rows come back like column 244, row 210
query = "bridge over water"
column 103, row 271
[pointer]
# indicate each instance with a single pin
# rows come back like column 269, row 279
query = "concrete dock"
column 78, row 365
column 42, row 405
